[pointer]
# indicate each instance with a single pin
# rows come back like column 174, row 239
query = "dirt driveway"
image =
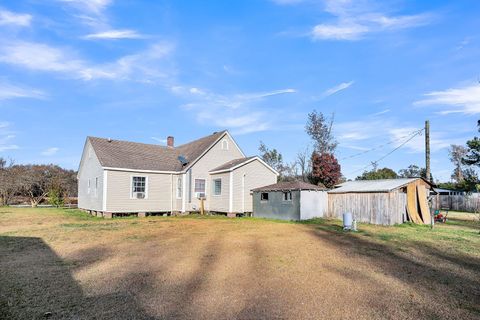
column 68, row 267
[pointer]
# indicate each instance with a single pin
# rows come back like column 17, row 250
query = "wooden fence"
column 467, row 203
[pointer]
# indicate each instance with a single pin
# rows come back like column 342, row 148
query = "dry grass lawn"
column 64, row 264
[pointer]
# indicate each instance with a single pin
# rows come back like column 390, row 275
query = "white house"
column 127, row 177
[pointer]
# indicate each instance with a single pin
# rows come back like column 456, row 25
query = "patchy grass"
column 73, row 265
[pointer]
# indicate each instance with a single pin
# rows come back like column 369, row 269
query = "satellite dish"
column 182, row 160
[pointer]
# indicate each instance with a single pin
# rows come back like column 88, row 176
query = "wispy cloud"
column 142, row 66
column 115, row 34
column 92, row 13
column 354, row 20
column 464, row 100
column 89, row 6
column 237, row 112
column 9, row 91
column 6, row 137
column 12, row 18
column 337, row 88
column 50, row 151
column 380, row 113
column 38, row 56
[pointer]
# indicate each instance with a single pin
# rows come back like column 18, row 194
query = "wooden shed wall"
column 385, row 208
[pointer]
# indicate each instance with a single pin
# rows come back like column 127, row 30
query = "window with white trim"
column 287, row 196
column 264, row 196
column 224, row 144
column 139, row 187
column 217, row 187
column 200, row 185
column 88, row 186
column 96, row 186
column 179, row 187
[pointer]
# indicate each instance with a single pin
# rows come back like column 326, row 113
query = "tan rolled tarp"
column 423, row 203
column 412, row 204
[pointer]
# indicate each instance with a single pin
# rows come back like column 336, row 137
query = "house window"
column 88, row 188
column 179, row 188
column 224, row 144
column 217, row 187
column 287, row 196
column 139, row 187
column 200, row 185
column 264, row 196
column 96, row 186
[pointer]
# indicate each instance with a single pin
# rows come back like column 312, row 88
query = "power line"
column 378, row 147
column 414, row 134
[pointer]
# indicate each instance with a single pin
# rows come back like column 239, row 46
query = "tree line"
column 466, row 160
column 320, row 166
column 36, row 182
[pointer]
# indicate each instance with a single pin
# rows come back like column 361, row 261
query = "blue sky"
column 140, row 71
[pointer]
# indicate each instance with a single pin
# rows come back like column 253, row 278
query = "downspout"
column 184, row 191
column 230, row 198
column 171, row 194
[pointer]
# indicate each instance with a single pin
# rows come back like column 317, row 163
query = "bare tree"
column 456, row 154
column 8, row 185
column 37, row 180
column 304, row 164
column 319, row 128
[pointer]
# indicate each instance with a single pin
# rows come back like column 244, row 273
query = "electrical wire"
column 373, row 163
column 378, row 147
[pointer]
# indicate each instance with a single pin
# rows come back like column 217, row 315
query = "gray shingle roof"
column 384, row 185
column 142, row 156
column 231, row 164
column 290, row 186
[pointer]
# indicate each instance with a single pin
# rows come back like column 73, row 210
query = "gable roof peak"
column 144, row 156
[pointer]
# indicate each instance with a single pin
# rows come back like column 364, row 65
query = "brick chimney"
column 170, row 141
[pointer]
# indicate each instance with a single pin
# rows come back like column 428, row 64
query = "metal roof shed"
column 377, row 201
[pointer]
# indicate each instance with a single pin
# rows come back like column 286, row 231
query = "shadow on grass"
column 35, row 283
column 450, row 281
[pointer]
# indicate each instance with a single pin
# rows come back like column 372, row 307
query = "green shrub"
column 55, row 198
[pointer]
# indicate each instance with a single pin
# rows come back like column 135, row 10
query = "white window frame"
column 225, row 144
column 88, row 186
column 213, row 187
column 179, row 187
column 96, row 186
column 204, row 185
column 131, row 186
column 286, row 193
column 261, row 196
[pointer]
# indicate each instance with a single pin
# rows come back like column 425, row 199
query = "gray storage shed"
column 292, row 200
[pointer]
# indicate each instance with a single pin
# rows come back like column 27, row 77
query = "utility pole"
column 428, row 175
column 427, row 151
